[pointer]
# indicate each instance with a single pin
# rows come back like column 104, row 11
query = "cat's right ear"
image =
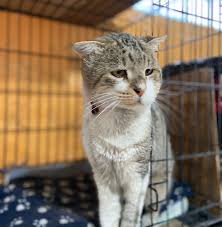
column 88, row 47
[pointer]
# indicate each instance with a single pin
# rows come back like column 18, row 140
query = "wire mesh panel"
column 190, row 95
column 40, row 90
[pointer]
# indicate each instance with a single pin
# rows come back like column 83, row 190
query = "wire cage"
column 40, row 88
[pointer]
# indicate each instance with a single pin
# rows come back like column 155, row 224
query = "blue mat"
column 40, row 201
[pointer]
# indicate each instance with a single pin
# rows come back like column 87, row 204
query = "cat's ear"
column 154, row 43
column 87, row 47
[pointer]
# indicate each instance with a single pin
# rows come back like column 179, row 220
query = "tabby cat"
column 123, row 127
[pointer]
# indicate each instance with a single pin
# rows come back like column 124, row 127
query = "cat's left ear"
column 154, row 43
column 88, row 47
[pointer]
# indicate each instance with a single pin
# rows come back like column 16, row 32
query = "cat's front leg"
column 109, row 206
column 134, row 195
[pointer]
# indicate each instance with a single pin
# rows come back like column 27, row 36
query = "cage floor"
column 50, row 197
column 43, row 202
column 35, row 200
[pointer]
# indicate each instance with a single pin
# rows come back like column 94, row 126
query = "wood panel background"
column 195, row 135
column 40, row 90
column 40, row 82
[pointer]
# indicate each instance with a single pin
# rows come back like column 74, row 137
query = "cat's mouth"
column 128, row 100
column 109, row 101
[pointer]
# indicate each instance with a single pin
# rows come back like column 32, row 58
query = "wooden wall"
column 40, row 82
column 40, row 90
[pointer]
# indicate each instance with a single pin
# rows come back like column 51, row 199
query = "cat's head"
column 121, row 68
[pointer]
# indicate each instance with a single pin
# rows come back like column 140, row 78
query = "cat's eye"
column 148, row 72
column 119, row 73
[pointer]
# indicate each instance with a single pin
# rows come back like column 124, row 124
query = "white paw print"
column 9, row 188
column 65, row 200
column 28, row 193
column 9, row 199
column 23, row 204
column 65, row 220
column 90, row 225
column 28, row 184
column 3, row 208
column 43, row 209
column 40, row 222
column 16, row 222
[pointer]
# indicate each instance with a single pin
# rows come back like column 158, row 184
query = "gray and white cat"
column 121, row 79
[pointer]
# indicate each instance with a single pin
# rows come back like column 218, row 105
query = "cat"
column 122, row 126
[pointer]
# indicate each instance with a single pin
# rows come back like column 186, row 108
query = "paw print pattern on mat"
column 28, row 193
column 3, row 208
column 43, row 209
column 9, row 199
column 65, row 220
column 9, row 188
column 16, row 222
column 23, row 204
column 40, row 222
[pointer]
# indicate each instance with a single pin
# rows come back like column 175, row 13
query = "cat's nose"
column 139, row 91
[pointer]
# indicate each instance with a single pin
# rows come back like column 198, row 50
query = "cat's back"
column 162, row 154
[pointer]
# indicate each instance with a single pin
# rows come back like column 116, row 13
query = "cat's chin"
column 135, row 106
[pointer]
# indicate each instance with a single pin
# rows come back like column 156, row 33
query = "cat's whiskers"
column 170, row 93
column 110, row 105
column 90, row 109
column 168, row 104
column 115, row 106
column 101, row 94
column 97, row 97
column 128, row 100
column 119, row 99
column 125, row 96
column 168, row 110
column 98, row 102
column 168, row 119
column 101, row 99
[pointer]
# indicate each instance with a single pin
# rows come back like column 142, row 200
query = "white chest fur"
column 116, row 146
column 136, row 132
